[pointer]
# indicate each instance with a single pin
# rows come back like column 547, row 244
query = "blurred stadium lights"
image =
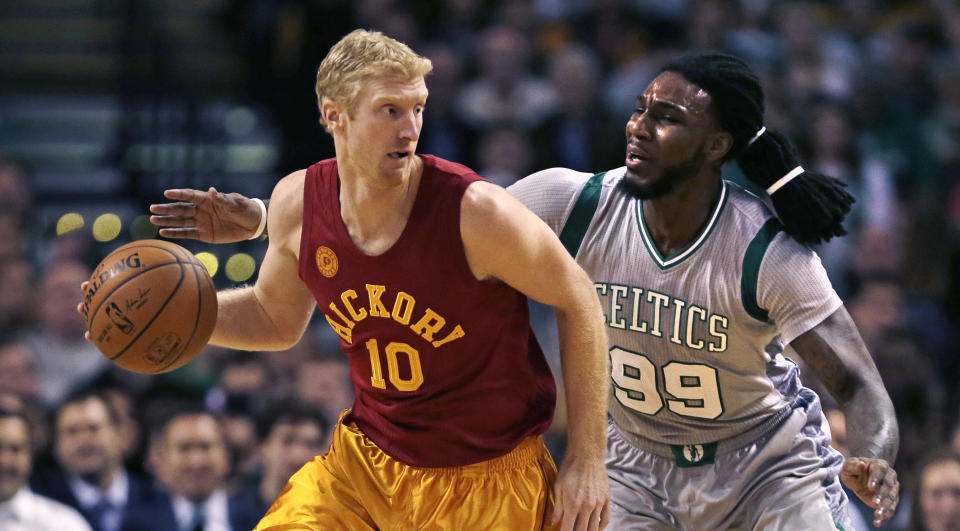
column 107, row 227
column 210, row 261
column 240, row 267
column 69, row 222
column 239, row 121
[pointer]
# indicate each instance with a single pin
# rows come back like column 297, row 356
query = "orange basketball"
column 151, row 306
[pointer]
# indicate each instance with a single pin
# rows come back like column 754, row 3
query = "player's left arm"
column 837, row 355
column 504, row 240
column 793, row 286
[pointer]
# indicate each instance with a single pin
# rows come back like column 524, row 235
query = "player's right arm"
column 274, row 312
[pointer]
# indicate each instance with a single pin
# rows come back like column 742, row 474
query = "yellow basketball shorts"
column 357, row 486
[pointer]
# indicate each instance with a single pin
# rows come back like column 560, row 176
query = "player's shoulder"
column 286, row 205
column 433, row 164
column 289, row 189
column 559, row 177
column 754, row 219
column 749, row 212
column 552, row 181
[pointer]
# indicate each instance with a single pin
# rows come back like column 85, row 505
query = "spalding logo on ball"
column 151, row 306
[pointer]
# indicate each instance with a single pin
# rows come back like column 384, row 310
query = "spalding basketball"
column 151, row 306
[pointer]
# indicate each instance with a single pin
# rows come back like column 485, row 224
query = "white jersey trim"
column 692, row 247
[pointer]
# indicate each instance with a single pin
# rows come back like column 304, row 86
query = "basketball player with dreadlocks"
column 704, row 287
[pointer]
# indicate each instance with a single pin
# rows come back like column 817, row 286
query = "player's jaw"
column 646, row 178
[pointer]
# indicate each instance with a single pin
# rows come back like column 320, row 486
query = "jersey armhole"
column 571, row 236
column 750, row 276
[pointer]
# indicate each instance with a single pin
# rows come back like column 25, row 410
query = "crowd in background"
column 870, row 91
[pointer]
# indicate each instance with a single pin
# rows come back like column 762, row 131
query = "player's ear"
column 332, row 113
column 718, row 145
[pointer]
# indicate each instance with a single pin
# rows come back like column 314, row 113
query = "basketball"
column 151, row 306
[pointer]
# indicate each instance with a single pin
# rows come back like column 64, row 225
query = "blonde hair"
column 359, row 55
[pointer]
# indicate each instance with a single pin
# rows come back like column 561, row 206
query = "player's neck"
column 676, row 219
column 375, row 211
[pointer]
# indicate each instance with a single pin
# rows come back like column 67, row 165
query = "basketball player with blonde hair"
column 422, row 269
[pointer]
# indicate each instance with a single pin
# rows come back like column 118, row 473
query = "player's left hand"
column 875, row 482
column 581, row 495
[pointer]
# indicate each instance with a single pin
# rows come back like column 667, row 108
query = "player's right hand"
column 210, row 216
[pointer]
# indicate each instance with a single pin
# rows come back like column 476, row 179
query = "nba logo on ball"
column 327, row 261
column 693, row 452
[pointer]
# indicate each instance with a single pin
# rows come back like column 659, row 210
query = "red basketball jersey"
column 446, row 369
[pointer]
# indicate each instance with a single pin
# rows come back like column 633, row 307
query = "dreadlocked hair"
column 812, row 205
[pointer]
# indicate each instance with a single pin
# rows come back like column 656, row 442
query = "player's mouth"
column 398, row 155
column 636, row 156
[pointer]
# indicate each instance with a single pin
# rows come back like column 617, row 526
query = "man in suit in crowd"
column 92, row 478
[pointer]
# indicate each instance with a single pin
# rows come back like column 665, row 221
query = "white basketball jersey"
column 695, row 338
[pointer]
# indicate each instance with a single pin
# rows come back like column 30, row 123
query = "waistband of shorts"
column 524, row 454
column 528, row 451
column 723, row 446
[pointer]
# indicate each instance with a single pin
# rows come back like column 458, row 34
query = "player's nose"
column 637, row 127
column 410, row 128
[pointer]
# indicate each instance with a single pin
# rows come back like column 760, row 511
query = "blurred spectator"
column 579, row 135
column 64, row 359
column 506, row 92
column 291, row 434
column 238, row 426
column 15, row 195
column 192, row 462
column 13, row 243
column 324, row 383
column 128, row 425
column 92, row 478
column 505, row 155
column 237, row 401
column 834, row 152
column 936, row 500
column 283, row 368
column 16, row 296
column 444, row 134
column 813, row 66
column 20, row 508
column 18, row 373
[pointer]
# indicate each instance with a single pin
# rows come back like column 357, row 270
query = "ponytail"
column 811, row 205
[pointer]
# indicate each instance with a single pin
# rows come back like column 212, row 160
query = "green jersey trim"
column 751, row 268
column 686, row 252
column 582, row 214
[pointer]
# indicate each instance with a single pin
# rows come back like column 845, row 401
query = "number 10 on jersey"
column 394, row 349
column 694, row 386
